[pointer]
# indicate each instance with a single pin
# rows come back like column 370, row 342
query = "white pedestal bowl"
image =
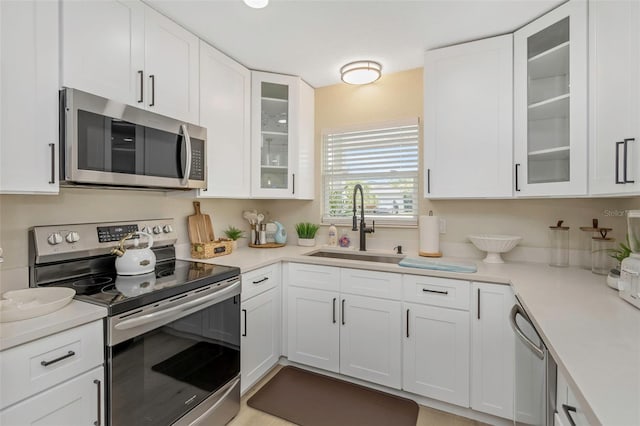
column 494, row 245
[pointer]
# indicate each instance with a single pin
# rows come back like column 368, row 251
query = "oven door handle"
column 187, row 167
column 155, row 316
column 515, row 311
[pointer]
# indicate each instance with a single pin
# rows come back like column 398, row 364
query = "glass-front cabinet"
column 550, row 103
column 281, row 136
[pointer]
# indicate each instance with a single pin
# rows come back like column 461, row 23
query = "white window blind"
column 384, row 160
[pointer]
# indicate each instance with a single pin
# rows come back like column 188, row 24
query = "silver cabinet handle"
column 343, row 322
column 153, row 89
column 618, row 181
column 626, row 162
column 187, row 168
column 407, row 323
column 141, row 98
column 261, row 281
column 334, row 310
column 52, row 147
column 426, row 290
column 515, row 311
column 428, row 181
column 99, row 421
column 517, row 172
column 60, row 358
column 293, row 183
column 568, row 409
column 244, row 334
column 478, row 303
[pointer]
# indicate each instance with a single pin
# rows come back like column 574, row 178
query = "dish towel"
column 438, row 265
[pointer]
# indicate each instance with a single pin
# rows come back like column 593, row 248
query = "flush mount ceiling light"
column 256, row 4
column 361, row 72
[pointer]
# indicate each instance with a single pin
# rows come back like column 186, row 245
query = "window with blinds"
column 384, row 160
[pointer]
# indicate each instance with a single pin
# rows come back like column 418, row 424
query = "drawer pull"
column 261, row 281
column 53, row 361
column 98, row 422
column 426, row 290
column 567, row 411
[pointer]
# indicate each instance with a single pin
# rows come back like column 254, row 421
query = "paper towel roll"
column 429, row 236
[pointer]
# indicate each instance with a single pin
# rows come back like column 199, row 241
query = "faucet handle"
column 373, row 226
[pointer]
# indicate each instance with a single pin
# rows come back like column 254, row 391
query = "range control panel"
column 57, row 242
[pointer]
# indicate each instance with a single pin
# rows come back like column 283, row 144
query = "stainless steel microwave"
column 109, row 143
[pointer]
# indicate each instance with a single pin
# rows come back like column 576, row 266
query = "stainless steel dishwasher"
column 535, row 387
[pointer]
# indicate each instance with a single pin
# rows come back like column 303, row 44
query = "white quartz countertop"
column 593, row 335
column 74, row 314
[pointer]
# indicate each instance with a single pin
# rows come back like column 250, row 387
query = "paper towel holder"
column 430, row 254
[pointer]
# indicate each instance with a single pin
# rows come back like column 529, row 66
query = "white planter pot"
column 306, row 242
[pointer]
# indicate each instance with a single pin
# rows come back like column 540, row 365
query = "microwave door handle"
column 515, row 311
column 187, row 168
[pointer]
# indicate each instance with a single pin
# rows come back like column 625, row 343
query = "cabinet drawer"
column 260, row 280
column 386, row 285
column 314, row 276
column 436, row 291
column 35, row 366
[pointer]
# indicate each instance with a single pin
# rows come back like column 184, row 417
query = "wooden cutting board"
column 200, row 227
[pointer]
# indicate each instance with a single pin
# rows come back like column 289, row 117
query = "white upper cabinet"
column 550, row 103
column 225, row 110
column 468, row 129
column 614, row 103
column 28, row 97
column 103, row 49
column 282, row 109
column 126, row 51
column 172, row 68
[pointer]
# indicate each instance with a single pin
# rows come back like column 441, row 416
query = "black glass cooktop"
column 120, row 293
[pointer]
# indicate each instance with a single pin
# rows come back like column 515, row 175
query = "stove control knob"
column 167, row 229
column 157, row 229
column 146, row 229
column 54, row 238
column 72, row 237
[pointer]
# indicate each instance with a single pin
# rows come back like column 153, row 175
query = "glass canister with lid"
column 559, row 239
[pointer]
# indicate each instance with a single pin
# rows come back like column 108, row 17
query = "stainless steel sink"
column 367, row 257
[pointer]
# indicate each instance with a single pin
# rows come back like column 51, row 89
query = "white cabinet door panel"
column 313, row 331
column 103, row 48
column 225, row 110
column 29, row 82
column 468, row 119
column 492, row 350
column 370, row 340
column 172, row 68
column 436, row 353
column 260, row 336
column 79, row 401
column 614, row 103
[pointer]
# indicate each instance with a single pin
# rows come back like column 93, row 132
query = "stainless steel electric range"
column 172, row 336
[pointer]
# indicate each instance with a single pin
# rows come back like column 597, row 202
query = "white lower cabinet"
column 313, row 331
column 55, row 380
column 492, row 350
column 260, row 341
column 78, row 401
column 436, row 353
column 568, row 410
column 370, row 339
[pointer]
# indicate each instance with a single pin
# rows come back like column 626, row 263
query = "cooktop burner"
column 120, row 293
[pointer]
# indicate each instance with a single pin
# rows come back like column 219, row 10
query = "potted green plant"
column 621, row 252
column 234, row 234
column 307, row 233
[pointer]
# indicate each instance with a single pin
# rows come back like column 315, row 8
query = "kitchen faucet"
column 363, row 226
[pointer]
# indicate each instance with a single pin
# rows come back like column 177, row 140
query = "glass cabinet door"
column 548, row 95
column 274, row 131
column 550, row 103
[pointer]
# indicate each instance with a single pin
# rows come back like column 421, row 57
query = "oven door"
column 168, row 358
column 108, row 143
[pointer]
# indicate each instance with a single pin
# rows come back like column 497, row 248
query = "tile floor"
column 251, row 417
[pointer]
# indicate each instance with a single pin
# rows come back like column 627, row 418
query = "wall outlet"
column 443, row 226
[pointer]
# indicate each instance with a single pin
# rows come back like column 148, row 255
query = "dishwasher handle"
column 515, row 311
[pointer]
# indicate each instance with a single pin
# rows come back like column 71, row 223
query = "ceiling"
column 314, row 38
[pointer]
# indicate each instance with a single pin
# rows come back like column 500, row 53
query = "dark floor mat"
column 311, row 399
